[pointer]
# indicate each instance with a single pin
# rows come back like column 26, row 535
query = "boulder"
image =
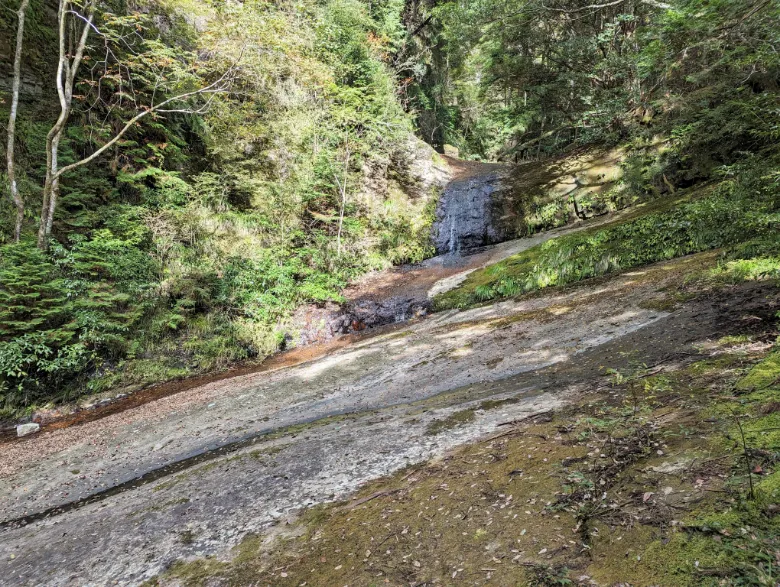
column 25, row 429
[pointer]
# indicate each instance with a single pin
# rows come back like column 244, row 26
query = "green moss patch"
column 452, row 421
column 764, row 375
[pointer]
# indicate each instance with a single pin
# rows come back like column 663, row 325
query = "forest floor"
column 598, row 433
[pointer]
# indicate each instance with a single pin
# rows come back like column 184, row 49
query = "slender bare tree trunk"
column 10, row 150
column 541, row 140
column 52, row 138
column 67, row 68
column 343, row 188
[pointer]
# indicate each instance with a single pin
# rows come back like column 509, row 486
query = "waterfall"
column 453, row 239
column 464, row 215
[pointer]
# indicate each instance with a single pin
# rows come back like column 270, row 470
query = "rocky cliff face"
column 466, row 217
column 409, row 179
column 475, row 209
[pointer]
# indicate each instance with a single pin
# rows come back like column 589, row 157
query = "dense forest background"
column 287, row 167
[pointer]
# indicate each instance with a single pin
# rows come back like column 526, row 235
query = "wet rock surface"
column 466, row 222
column 466, row 216
column 332, row 320
column 381, row 299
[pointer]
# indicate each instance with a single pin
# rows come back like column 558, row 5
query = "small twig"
column 388, row 537
column 524, row 418
column 720, row 458
column 746, row 453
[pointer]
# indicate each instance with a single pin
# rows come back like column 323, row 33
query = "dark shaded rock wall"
column 466, row 217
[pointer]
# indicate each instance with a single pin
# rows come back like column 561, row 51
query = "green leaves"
column 61, row 311
column 31, row 291
column 498, row 76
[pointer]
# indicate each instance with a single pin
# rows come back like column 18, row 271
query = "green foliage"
column 31, row 294
column 67, row 310
column 37, row 336
column 189, row 244
column 550, row 576
column 527, row 78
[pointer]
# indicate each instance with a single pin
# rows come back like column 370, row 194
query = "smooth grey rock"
column 25, row 429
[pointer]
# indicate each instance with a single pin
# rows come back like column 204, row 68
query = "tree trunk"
column 10, row 150
column 343, row 188
column 67, row 67
column 541, row 139
column 51, row 183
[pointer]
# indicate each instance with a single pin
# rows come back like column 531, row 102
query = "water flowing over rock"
column 466, row 218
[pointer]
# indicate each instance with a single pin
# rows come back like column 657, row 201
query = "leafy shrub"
column 66, row 311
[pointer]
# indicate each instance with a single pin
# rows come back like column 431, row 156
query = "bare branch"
column 66, row 69
column 201, row 110
column 214, row 88
column 88, row 21
column 81, row 47
column 653, row 3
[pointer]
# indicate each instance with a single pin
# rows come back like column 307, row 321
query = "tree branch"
column 214, row 88
column 654, row 3
column 422, row 26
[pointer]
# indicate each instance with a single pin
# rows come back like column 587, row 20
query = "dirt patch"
column 463, row 169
